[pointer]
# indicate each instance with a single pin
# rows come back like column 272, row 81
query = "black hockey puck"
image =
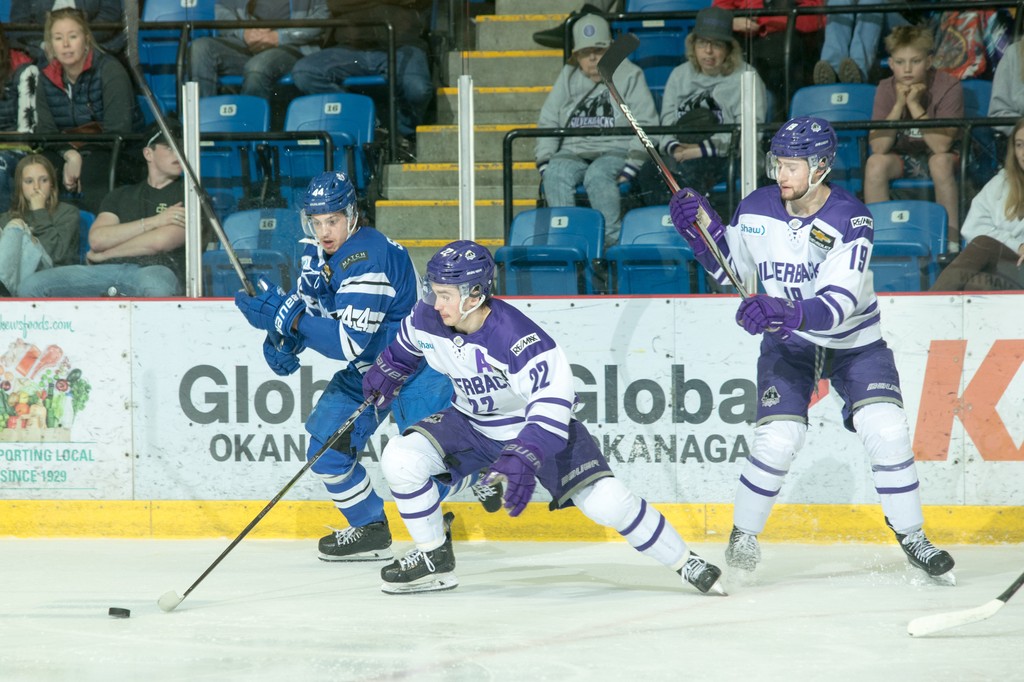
column 119, row 613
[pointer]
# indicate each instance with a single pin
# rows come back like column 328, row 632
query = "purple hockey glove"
column 768, row 313
column 384, row 379
column 686, row 208
column 282, row 363
column 518, row 465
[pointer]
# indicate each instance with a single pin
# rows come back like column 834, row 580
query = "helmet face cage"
column 465, row 265
column 330, row 192
column 804, row 137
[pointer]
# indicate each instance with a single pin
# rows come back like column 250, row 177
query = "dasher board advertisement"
column 65, row 401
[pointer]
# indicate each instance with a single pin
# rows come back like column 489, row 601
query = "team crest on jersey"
column 354, row 258
column 522, row 344
column 820, row 239
column 770, row 398
column 327, row 272
column 458, row 341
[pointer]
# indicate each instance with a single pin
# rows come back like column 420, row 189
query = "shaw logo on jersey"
column 522, row 344
column 751, row 229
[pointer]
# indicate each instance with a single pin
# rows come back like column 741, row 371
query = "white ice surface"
column 523, row 611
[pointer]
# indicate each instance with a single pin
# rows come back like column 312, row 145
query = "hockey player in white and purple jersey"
column 511, row 413
column 355, row 288
column 810, row 245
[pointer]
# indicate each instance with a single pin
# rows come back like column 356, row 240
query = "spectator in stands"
column 851, row 44
column 1008, row 84
column 83, row 91
column 915, row 92
column 19, row 78
column 579, row 99
column 260, row 55
column 765, row 39
column 39, row 231
column 555, row 37
column 994, row 230
column 137, row 242
column 703, row 90
column 111, row 41
column 360, row 48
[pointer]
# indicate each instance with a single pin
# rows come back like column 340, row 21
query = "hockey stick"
column 927, row 625
column 131, row 30
column 170, row 600
column 617, row 52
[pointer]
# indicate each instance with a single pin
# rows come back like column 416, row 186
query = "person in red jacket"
column 764, row 43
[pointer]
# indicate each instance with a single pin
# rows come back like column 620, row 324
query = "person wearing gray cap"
column 704, row 90
column 579, row 99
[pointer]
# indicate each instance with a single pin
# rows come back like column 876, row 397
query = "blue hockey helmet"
column 465, row 265
column 329, row 192
column 804, row 137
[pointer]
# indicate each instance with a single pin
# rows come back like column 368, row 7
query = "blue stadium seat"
column 266, row 242
column 158, row 50
column 85, row 220
column 977, row 93
column 909, row 236
column 651, row 257
column 227, row 166
column 551, row 252
column 350, row 119
column 840, row 102
column 5, row 10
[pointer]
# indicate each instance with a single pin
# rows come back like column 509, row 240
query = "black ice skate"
column 743, row 551
column 371, row 542
column 921, row 553
column 489, row 496
column 702, row 575
column 421, row 571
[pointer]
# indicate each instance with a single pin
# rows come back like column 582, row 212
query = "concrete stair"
column 512, row 76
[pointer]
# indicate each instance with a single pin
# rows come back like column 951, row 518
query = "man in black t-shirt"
column 136, row 243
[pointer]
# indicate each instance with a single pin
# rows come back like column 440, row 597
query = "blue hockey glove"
column 684, row 208
column 272, row 310
column 282, row 363
column 761, row 313
column 384, row 379
column 518, row 465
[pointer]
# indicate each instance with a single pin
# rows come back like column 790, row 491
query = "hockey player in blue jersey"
column 511, row 412
column 355, row 287
column 810, row 244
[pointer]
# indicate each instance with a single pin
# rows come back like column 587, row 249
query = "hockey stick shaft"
column 131, row 29
column 616, row 54
column 171, row 600
column 927, row 625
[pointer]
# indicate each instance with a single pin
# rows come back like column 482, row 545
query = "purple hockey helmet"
column 804, row 137
column 463, row 264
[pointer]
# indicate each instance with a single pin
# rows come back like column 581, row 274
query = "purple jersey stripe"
column 654, row 538
column 416, row 493
column 636, row 522
column 897, row 491
column 759, row 491
column 764, row 467
column 893, row 467
column 421, row 514
column 562, row 427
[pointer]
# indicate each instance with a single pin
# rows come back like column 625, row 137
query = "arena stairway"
column 512, row 76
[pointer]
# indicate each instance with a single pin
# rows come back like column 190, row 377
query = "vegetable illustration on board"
column 40, row 393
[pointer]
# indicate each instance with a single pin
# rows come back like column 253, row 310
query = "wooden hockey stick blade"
column 131, row 31
column 927, row 625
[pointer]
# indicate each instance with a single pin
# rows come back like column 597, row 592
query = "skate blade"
column 376, row 555
column 717, row 590
column 437, row 583
column 947, row 579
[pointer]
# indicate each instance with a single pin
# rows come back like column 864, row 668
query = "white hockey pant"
column 609, row 503
column 883, row 429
